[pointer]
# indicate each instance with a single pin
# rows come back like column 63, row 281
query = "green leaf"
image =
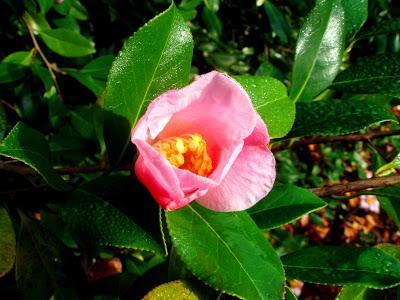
column 177, row 289
column 376, row 75
column 155, row 59
column 93, row 222
column 43, row 266
column 30, row 146
column 66, row 42
column 277, row 21
column 270, row 99
column 319, row 50
column 387, row 168
column 227, row 251
column 382, row 27
column 3, row 122
column 83, row 120
column 99, row 67
column 212, row 4
column 356, row 13
column 212, row 21
column 94, row 85
column 266, row 68
column 24, row 58
column 13, row 66
column 44, row 75
column 7, row 243
column 289, row 295
column 360, row 293
column 368, row 267
column 363, row 293
column 284, row 204
column 335, row 117
column 45, row 5
column 10, row 72
column 67, row 22
column 73, row 8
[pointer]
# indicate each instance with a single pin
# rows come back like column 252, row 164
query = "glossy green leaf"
column 383, row 27
column 212, row 4
column 387, row 168
column 364, row 293
column 10, row 72
column 96, row 86
column 73, row 8
column 99, row 67
column 45, row 5
column 360, row 293
column 277, row 21
column 7, row 243
column 13, row 67
column 66, row 42
column 289, row 295
column 356, row 13
column 368, row 267
column 44, row 75
column 335, row 117
column 376, row 75
column 93, row 222
column 44, row 267
column 284, row 204
column 266, row 68
column 23, row 58
column 83, row 120
column 270, row 99
column 30, row 146
column 68, row 22
column 173, row 290
column 155, row 59
column 227, row 251
column 319, row 50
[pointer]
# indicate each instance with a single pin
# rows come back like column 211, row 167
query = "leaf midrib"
column 143, row 100
column 315, row 59
column 339, row 269
column 357, row 80
column 293, row 205
column 229, row 250
column 270, row 102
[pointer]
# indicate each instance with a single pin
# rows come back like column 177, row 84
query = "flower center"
column 187, row 151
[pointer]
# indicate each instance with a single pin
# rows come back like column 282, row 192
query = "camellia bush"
column 199, row 149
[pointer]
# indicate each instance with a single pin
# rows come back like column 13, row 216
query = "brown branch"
column 340, row 138
column 336, row 189
column 356, row 186
column 46, row 62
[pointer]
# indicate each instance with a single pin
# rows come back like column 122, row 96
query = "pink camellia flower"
column 204, row 142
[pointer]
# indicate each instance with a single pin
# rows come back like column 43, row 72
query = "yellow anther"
column 188, row 151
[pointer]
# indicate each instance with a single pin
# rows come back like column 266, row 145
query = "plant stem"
column 355, row 186
column 46, row 62
column 340, row 138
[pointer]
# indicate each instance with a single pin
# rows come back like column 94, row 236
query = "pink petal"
column 171, row 187
column 214, row 106
column 250, row 178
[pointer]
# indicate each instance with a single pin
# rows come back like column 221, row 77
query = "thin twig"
column 340, row 138
column 46, row 62
column 337, row 189
column 356, row 186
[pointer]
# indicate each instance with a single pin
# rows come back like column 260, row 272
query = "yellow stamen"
column 187, row 151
